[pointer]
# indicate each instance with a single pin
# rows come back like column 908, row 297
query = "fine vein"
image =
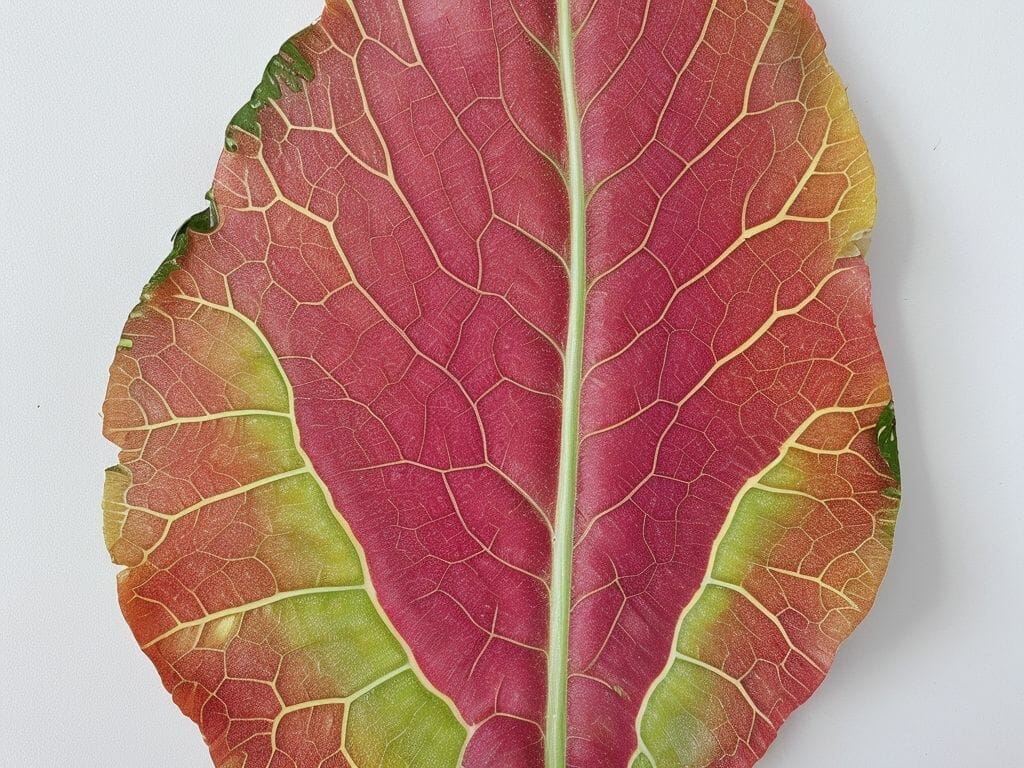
column 565, row 505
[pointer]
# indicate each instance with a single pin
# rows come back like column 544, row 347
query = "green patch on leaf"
column 398, row 723
column 888, row 446
column 117, row 480
column 289, row 66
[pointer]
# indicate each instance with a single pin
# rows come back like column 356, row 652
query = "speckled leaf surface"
column 517, row 401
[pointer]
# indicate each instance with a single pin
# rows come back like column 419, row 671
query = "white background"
column 111, row 117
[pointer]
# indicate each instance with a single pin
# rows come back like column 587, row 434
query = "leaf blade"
column 420, row 297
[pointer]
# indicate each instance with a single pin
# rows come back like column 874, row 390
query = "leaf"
column 450, row 436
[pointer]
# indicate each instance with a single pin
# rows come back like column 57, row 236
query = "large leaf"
column 453, row 437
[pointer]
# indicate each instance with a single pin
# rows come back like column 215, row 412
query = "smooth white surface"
column 111, row 117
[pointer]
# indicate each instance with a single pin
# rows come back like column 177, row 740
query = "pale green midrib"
column 568, row 459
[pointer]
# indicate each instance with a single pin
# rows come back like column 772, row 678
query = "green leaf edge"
column 288, row 65
column 294, row 69
column 888, row 447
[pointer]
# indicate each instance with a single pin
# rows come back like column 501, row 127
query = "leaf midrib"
column 568, row 456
